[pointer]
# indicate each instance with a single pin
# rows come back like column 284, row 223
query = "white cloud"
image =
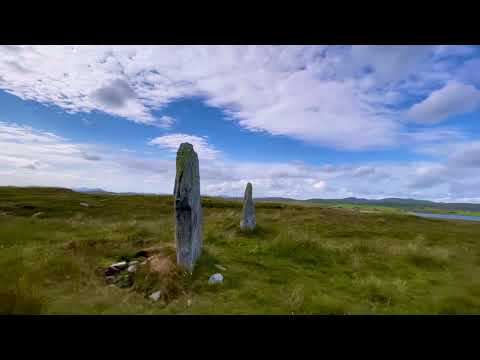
column 466, row 154
column 295, row 91
column 320, row 185
column 453, row 98
column 173, row 141
column 390, row 62
column 318, row 94
column 469, row 72
column 166, row 121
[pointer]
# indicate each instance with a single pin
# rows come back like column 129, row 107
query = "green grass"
column 301, row 259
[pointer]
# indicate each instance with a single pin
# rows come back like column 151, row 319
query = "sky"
column 296, row 121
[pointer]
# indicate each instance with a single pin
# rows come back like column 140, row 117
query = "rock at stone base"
column 132, row 268
column 215, row 279
column 155, row 296
column 110, row 271
column 120, row 265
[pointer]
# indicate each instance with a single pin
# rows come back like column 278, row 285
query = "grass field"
column 300, row 260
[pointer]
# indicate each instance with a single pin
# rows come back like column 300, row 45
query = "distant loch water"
column 448, row 216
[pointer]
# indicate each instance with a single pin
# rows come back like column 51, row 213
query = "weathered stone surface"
column 215, row 279
column 188, row 208
column 248, row 221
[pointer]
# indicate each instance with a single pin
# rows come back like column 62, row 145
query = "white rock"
column 215, row 279
column 120, row 265
column 132, row 268
column 84, row 204
column 134, row 262
column 155, row 296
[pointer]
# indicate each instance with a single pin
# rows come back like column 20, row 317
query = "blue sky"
column 296, row 121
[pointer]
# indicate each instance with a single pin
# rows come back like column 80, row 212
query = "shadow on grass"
column 260, row 231
column 12, row 303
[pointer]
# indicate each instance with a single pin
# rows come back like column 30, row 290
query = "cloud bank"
column 33, row 157
column 324, row 95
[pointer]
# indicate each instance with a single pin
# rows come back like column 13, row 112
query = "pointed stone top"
column 186, row 145
column 185, row 154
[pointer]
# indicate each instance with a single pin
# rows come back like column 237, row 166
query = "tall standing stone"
column 248, row 221
column 188, row 209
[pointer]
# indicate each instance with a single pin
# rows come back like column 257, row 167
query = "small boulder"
column 155, row 296
column 84, row 204
column 215, row 279
column 120, row 265
column 110, row 271
column 132, row 268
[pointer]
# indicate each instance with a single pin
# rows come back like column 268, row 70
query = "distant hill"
column 90, row 190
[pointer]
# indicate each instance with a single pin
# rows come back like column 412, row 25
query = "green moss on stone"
column 185, row 151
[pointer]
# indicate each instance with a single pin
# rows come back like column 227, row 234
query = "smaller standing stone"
column 248, row 221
